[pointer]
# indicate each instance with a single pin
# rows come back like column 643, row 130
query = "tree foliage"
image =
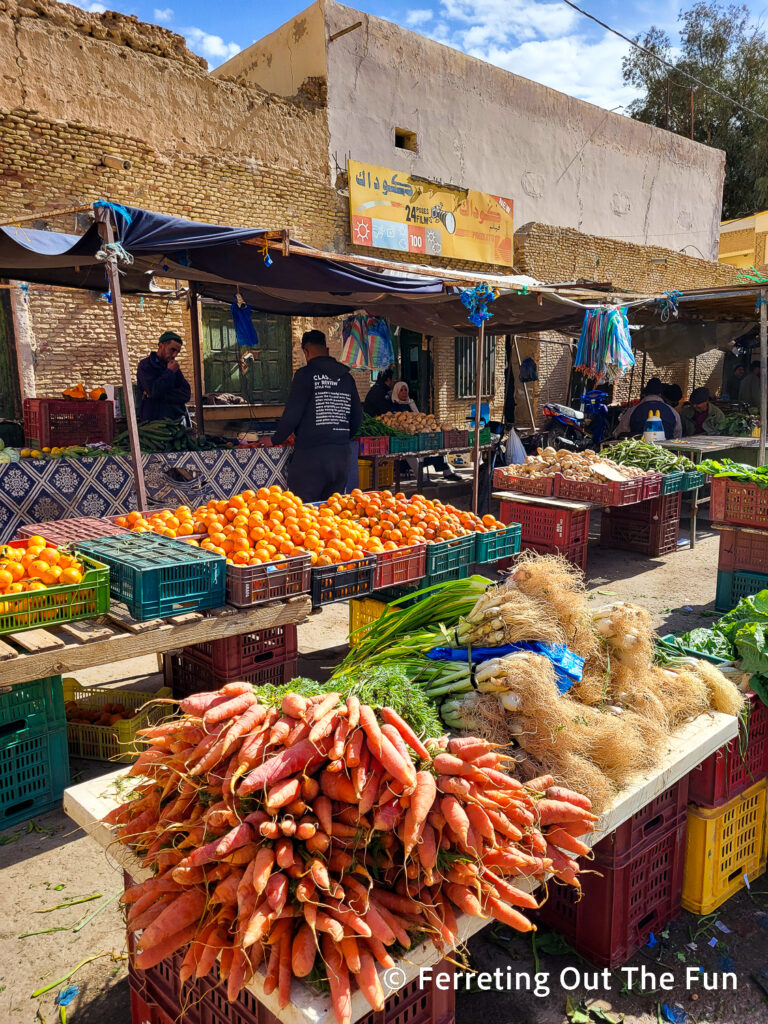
column 723, row 48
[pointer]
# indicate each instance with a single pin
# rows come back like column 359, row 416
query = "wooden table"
column 38, row 653
column 420, row 457
column 88, row 802
column 704, row 446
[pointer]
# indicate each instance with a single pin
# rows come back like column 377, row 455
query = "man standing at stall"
column 163, row 389
column 323, row 411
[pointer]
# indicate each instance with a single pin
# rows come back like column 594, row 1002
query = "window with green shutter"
column 263, row 380
column 465, row 361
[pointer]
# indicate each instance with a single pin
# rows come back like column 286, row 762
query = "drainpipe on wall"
column 25, row 341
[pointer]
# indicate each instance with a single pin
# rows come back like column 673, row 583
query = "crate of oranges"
column 41, row 585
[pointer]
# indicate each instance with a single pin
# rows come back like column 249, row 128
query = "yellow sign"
column 391, row 210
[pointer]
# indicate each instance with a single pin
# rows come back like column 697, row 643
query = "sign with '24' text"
column 391, row 210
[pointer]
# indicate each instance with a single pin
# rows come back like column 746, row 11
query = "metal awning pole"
column 108, row 234
column 478, row 403
column 763, row 373
column 197, row 369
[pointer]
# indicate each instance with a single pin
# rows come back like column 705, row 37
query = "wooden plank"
column 35, row 640
column 86, row 631
column 90, row 801
column 538, row 499
column 7, row 652
column 160, row 638
column 183, row 620
column 120, row 615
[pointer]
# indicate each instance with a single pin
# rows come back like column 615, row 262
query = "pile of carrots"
column 394, row 520
column 320, row 837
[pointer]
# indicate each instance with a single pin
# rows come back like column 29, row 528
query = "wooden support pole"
column 478, row 403
column 763, row 373
column 197, row 366
column 108, row 234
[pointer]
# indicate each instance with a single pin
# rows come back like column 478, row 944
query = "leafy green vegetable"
column 736, row 471
column 708, row 641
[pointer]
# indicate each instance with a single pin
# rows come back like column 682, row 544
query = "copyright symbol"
column 393, row 977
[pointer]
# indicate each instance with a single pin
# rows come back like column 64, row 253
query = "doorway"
column 10, row 393
column 264, row 379
column 416, row 368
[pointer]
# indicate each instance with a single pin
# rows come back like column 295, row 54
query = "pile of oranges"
column 270, row 524
column 35, row 566
column 395, row 521
column 256, row 527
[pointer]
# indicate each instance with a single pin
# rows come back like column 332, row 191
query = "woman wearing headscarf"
column 402, row 402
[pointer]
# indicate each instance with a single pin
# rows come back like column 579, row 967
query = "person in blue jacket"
column 324, row 413
column 163, row 389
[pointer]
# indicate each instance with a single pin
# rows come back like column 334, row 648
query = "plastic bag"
column 515, row 453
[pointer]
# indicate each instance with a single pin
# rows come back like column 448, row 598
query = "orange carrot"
column 284, row 972
column 215, row 941
column 353, row 711
column 337, row 787
column 427, row 848
column 342, row 912
column 399, row 767
column 509, row 916
column 323, row 727
column 309, row 788
column 455, row 816
column 276, row 891
column 338, row 978
column 351, row 953
column 283, row 853
column 468, row 747
column 354, row 748
column 541, row 783
column 273, row 970
column 294, row 705
column 423, row 796
column 464, row 899
column 368, row 981
column 152, row 956
column 252, row 717
column 569, row 797
column 282, row 793
column 554, row 812
column 480, row 822
column 511, row 893
column 372, row 730
column 301, row 757
column 379, row 951
column 303, row 951
column 392, row 718
column 186, row 909
column 230, row 708
column 327, row 923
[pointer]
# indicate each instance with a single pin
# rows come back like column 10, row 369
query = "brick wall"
column 198, row 147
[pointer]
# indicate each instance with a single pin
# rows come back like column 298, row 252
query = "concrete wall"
column 744, row 242
column 561, row 160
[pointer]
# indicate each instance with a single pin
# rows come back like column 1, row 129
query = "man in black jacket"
column 163, row 389
column 379, row 398
column 323, row 412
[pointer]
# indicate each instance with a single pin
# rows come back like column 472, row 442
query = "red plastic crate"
column 726, row 774
column 652, row 539
column 743, row 551
column 374, row 445
column 652, row 484
column 732, row 501
column 64, row 421
column 69, row 531
column 644, row 829
column 186, row 675
column 403, row 565
column 623, row 904
column 575, row 553
column 455, row 438
column 145, row 1011
column 655, row 510
column 619, row 492
column 543, row 485
column 233, row 655
column 543, row 524
column 255, row 584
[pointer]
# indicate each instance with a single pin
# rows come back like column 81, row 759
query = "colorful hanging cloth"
column 381, row 352
column 354, row 348
column 604, row 351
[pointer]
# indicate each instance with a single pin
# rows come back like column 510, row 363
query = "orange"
column 36, row 585
column 36, row 541
column 16, row 569
column 5, row 579
column 52, row 576
column 37, row 567
column 71, row 575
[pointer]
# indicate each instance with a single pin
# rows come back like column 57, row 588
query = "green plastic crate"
column 672, row 482
column 693, row 479
column 36, row 705
column 156, row 576
column 732, row 586
column 670, row 641
column 430, row 441
column 34, row 772
column 445, row 555
column 485, row 436
column 404, row 444
column 497, row 544
column 67, row 602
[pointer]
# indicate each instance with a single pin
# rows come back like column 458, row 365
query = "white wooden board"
column 538, row 499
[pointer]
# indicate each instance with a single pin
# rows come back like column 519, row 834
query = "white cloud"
column 507, row 20
column 163, row 15
column 213, row 48
column 419, row 16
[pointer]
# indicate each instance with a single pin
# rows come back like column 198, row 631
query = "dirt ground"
column 48, row 861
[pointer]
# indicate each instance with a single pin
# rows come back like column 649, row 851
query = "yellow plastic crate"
column 386, row 474
column 116, row 742
column 363, row 611
column 724, row 844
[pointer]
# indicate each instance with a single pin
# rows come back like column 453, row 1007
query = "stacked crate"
column 740, row 512
column 550, row 529
column 650, row 527
column 261, row 656
column 636, row 881
column 34, row 763
column 727, row 840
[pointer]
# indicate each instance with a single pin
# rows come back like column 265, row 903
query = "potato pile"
column 411, row 422
column 108, row 714
column 573, row 465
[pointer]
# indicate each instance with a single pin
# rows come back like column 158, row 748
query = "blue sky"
column 540, row 39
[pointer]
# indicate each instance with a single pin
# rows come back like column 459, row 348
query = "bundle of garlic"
column 505, row 615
